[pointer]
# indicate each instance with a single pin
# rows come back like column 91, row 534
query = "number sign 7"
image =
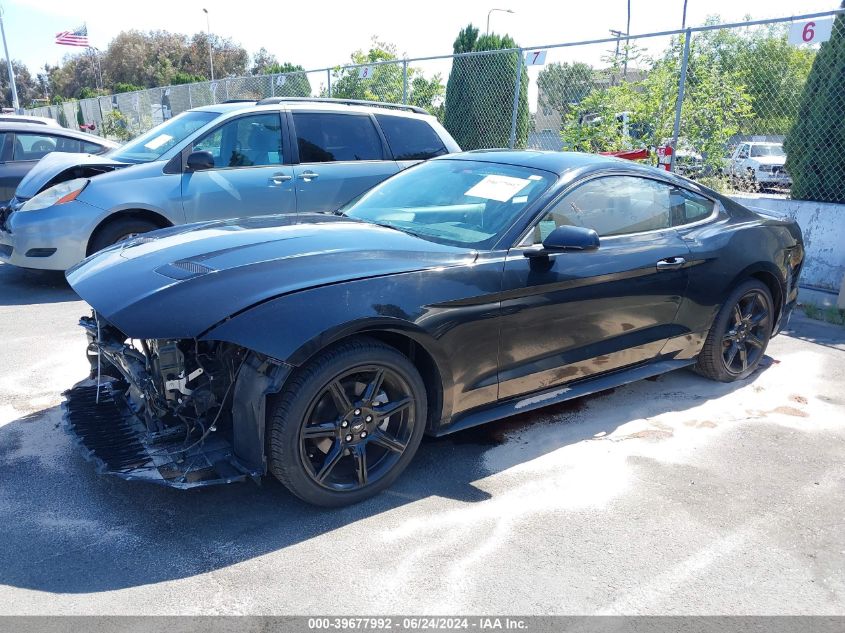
column 535, row 58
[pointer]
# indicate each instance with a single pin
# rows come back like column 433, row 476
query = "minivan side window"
column 248, row 141
column 410, row 139
column 326, row 137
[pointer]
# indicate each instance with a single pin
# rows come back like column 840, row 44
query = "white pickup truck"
column 759, row 165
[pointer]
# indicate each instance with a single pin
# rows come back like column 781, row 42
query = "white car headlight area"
column 58, row 194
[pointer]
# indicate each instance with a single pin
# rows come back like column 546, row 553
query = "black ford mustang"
column 321, row 347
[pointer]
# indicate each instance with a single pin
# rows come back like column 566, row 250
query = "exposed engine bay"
column 162, row 410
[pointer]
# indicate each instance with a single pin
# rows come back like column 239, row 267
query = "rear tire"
column 347, row 423
column 118, row 230
column 739, row 335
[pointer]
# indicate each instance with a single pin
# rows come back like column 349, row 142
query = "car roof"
column 26, row 118
column 37, row 128
column 304, row 103
column 555, row 162
column 567, row 163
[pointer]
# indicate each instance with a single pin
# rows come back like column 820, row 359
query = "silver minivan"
column 278, row 155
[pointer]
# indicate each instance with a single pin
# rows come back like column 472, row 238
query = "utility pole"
column 210, row 58
column 15, row 104
column 627, row 41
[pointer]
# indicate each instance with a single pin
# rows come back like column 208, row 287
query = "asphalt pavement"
column 670, row 496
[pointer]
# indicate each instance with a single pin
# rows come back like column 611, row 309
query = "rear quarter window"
column 410, row 139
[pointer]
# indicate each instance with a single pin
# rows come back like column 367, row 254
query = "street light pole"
column 15, row 103
column 210, row 58
column 488, row 17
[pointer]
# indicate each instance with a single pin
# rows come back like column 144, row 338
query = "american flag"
column 77, row 37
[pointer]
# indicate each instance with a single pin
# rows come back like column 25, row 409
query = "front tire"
column 118, row 230
column 739, row 336
column 347, row 423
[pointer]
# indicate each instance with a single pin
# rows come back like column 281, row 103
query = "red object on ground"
column 631, row 154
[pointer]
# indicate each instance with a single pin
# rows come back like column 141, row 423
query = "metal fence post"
column 516, row 91
column 405, row 81
column 190, row 99
column 329, row 81
column 682, row 83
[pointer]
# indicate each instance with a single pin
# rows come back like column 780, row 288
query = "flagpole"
column 15, row 103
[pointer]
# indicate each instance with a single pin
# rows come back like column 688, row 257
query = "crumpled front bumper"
column 118, row 442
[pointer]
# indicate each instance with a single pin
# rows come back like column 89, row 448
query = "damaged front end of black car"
column 181, row 412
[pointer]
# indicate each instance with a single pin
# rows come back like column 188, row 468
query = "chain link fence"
column 738, row 102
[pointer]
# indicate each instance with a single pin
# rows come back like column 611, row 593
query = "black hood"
column 179, row 282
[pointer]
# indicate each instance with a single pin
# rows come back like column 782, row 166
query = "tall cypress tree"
column 480, row 91
column 815, row 145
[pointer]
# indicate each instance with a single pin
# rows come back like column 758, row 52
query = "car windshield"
column 458, row 202
column 153, row 144
column 767, row 150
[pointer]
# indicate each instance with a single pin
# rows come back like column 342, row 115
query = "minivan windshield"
column 458, row 202
column 152, row 145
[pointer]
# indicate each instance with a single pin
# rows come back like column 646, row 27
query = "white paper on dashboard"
column 499, row 188
column 158, row 141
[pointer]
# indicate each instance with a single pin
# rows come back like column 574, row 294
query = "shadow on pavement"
column 69, row 530
column 814, row 331
column 22, row 286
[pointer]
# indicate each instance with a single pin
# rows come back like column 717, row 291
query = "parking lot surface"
column 671, row 496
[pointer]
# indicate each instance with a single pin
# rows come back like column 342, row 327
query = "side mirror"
column 197, row 161
column 567, row 238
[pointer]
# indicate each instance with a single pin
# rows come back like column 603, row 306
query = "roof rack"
column 361, row 102
column 239, row 101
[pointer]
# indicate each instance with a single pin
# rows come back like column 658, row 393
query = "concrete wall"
column 823, row 226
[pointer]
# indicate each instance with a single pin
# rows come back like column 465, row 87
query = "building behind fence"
column 703, row 90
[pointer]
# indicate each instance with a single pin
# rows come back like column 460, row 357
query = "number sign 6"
column 810, row 32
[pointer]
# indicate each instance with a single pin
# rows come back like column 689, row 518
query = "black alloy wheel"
column 745, row 342
column 739, row 335
column 347, row 423
column 357, row 428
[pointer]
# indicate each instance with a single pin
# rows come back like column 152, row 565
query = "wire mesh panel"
column 480, row 97
column 376, row 82
column 752, row 113
column 758, row 114
column 604, row 97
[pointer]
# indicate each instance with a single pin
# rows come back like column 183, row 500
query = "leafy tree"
column 815, row 146
column 80, row 118
column 428, row 94
column 560, row 86
column 715, row 107
column 262, row 61
column 230, row 60
column 28, row 88
column 115, row 126
column 124, row 87
column 295, row 82
column 182, row 77
column 480, row 92
column 387, row 82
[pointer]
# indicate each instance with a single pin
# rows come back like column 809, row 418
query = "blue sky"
column 318, row 34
